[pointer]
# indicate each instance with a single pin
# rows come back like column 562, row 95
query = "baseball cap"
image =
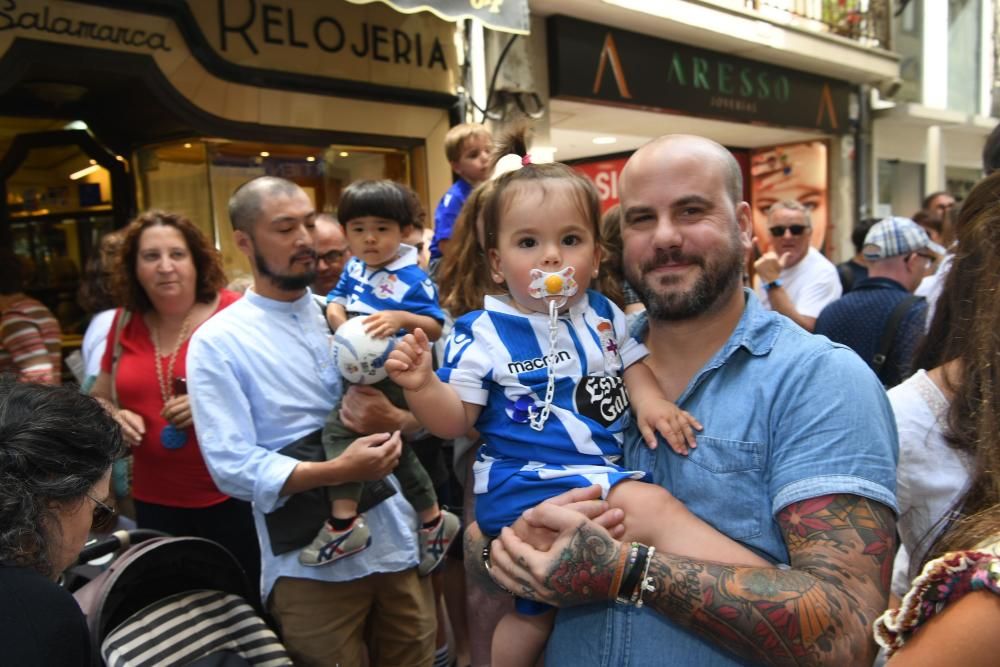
column 897, row 236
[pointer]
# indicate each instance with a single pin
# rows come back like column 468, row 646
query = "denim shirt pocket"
column 722, row 481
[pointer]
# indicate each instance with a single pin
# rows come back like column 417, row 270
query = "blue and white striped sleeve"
column 467, row 364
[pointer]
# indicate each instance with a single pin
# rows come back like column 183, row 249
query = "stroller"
column 173, row 601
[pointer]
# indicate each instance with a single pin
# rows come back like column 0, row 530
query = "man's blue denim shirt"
column 787, row 416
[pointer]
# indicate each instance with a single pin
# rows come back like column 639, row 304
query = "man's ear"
column 244, row 242
column 744, row 222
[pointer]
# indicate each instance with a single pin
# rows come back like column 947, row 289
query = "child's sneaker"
column 330, row 545
column 434, row 541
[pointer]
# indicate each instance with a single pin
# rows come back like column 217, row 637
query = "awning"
column 502, row 15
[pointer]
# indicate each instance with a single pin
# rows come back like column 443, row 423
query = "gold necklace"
column 166, row 380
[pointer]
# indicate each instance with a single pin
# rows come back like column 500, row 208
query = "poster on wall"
column 604, row 173
column 795, row 172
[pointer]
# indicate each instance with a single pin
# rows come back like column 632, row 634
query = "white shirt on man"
column 811, row 284
column 261, row 375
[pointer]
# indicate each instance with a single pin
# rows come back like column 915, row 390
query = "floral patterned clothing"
column 943, row 581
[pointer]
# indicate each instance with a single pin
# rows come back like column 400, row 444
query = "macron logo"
column 456, row 343
column 516, row 367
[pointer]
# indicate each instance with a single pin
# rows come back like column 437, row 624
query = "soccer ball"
column 360, row 357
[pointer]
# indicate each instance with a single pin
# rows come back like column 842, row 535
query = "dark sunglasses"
column 796, row 230
column 103, row 513
column 332, row 256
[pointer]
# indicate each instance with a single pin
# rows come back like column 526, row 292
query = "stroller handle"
column 118, row 540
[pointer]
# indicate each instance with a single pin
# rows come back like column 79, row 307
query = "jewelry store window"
column 197, row 177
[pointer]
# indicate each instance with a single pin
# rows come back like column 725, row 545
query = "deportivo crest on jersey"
column 389, row 286
column 602, row 399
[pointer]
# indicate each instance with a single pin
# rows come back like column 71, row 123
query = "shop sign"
column 502, row 15
column 605, row 174
column 63, row 22
column 593, row 62
column 370, row 43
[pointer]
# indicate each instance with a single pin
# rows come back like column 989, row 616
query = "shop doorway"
column 60, row 192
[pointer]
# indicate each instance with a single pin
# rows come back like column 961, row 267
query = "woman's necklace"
column 171, row 437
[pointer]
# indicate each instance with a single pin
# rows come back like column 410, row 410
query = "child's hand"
column 409, row 364
column 384, row 323
column 675, row 425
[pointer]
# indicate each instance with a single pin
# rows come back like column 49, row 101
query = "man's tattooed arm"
column 817, row 612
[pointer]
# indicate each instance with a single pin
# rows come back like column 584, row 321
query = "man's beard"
column 719, row 276
column 283, row 281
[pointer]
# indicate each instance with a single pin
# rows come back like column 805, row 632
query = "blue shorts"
column 503, row 504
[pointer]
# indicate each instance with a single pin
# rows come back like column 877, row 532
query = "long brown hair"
column 207, row 263
column 964, row 330
column 611, row 277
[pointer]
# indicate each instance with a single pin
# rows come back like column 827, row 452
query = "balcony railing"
column 865, row 21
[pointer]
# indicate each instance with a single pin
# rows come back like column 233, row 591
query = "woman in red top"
column 169, row 279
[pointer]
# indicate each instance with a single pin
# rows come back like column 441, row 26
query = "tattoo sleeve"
column 817, row 612
column 585, row 568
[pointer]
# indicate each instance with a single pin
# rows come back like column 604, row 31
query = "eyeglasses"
column 103, row 513
column 332, row 256
column 796, row 230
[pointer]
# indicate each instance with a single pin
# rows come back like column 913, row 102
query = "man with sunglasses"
column 332, row 254
column 794, row 279
column 899, row 254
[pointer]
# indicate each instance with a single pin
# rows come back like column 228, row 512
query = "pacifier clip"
column 555, row 288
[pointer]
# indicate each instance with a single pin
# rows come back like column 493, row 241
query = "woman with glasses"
column 56, row 449
column 948, row 479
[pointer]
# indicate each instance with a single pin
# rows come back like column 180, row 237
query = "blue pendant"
column 172, row 438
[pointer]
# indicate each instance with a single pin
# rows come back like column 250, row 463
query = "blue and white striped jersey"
column 400, row 285
column 496, row 356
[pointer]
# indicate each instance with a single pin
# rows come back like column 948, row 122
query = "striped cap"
column 897, row 236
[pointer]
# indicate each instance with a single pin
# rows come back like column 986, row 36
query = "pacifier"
column 558, row 286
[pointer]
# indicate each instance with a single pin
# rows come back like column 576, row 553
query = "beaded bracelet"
column 645, row 581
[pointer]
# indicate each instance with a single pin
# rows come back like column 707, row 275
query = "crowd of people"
column 666, row 446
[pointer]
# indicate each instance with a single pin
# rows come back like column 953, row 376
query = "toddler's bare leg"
column 654, row 516
column 343, row 508
column 520, row 639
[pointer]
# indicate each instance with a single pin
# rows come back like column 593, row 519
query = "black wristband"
column 631, row 579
